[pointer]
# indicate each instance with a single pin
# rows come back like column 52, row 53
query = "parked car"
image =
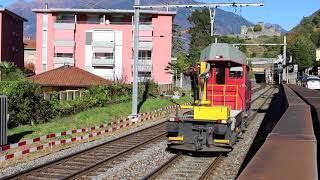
column 312, row 82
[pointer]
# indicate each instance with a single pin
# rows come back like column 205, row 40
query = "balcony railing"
column 102, row 62
column 145, row 68
column 63, row 60
column 102, row 44
column 64, row 43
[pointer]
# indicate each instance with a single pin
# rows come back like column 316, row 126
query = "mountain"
column 277, row 26
column 226, row 22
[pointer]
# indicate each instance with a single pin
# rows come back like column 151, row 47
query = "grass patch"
column 90, row 118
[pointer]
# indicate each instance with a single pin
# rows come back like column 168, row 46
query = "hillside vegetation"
column 303, row 40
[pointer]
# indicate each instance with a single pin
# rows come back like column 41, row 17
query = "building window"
column 144, row 55
column 65, row 18
column 146, row 20
column 88, row 38
column 44, row 67
column 103, row 55
column 66, row 55
column 144, row 74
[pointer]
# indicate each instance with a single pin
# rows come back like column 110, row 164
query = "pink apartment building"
column 11, row 37
column 101, row 41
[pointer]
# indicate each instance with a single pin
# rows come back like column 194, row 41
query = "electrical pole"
column 212, row 19
column 134, row 114
column 285, row 57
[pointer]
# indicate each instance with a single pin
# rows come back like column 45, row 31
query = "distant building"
column 29, row 51
column 318, row 54
column 11, row 37
column 248, row 31
column 100, row 41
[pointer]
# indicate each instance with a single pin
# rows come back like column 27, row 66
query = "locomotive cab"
column 222, row 95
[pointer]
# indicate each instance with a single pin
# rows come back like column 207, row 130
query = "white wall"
column 106, row 72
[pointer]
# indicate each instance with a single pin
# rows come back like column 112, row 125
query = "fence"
column 3, row 120
column 67, row 95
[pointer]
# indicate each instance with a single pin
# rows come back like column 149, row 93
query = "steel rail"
column 26, row 172
column 213, row 165
column 112, row 158
column 155, row 173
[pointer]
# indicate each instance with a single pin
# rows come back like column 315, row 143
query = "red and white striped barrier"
column 112, row 126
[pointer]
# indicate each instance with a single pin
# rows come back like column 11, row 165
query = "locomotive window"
column 220, row 75
column 236, row 72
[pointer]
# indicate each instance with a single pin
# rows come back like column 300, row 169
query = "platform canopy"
column 223, row 52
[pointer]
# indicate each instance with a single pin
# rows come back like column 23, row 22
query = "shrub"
column 26, row 103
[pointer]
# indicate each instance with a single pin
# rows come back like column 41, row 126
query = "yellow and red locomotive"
column 222, row 94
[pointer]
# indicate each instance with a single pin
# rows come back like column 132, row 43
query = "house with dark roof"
column 67, row 78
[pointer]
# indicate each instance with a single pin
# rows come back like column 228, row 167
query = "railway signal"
column 137, row 7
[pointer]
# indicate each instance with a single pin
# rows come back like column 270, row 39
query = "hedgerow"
column 27, row 104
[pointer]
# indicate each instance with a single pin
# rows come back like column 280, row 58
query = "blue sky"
column 287, row 13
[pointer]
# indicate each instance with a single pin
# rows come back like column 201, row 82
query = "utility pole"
column 134, row 115
column 285, row 57
column 212, row 19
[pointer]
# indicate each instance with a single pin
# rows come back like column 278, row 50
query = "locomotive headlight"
column 174, row 119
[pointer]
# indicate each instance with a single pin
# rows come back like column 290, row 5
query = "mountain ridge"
column 226, row 22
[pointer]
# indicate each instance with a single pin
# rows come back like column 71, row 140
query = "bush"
column 26, row 103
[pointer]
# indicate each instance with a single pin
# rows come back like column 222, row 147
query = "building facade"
column 29, row 51
column 101, row 42
column 11, row 37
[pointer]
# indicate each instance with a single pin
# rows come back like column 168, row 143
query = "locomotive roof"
column 223, row 52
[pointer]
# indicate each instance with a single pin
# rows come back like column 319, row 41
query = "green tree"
column 233, row 40
column 178, row 42
column 257, row 28
column 302, row 50
column 273, row 51
column 181, row 65
column 200, row 33
column 10, row 72
column 315, row 37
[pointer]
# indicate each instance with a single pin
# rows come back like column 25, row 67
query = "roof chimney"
column 46, row 6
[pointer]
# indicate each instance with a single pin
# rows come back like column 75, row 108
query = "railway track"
column 187, row 167
column 89, row 162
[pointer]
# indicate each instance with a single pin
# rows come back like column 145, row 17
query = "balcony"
column 145, row 45
column 64, row 25
column 64, row 43
column 63, row 60
column 145, row 68
column 102, row 62
column 108, row 44
column 146, row 27
column 145, row 65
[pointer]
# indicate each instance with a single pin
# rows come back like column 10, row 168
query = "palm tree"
column 10, row 72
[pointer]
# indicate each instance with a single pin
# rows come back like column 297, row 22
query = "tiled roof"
column 68, row 76
column 29, row 44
